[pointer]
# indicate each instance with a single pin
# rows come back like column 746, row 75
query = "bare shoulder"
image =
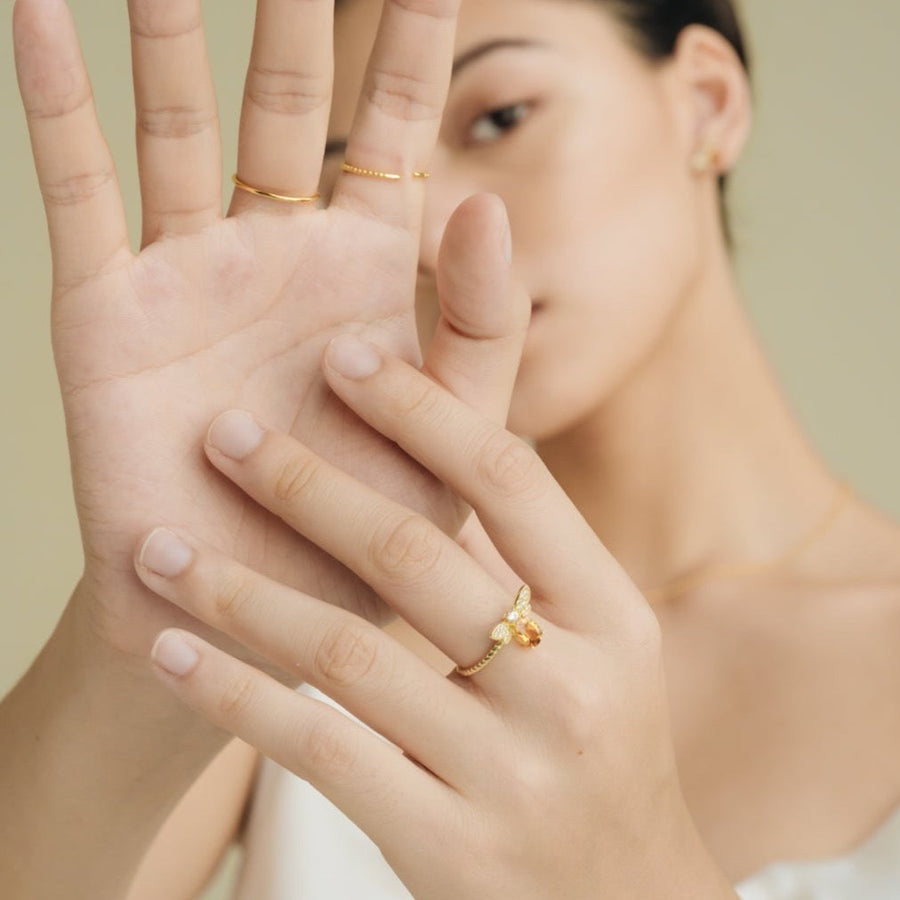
column 785, row 700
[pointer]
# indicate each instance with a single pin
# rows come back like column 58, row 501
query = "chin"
column 544, row 406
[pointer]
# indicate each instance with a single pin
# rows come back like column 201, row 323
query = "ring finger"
column 287, row 98
column 347, row 658
column 430, row 580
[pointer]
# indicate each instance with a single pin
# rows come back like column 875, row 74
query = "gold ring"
column 260, row 193
column 371, row 173
column 516, row 625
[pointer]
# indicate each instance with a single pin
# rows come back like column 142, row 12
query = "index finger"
column 400, row 108
column 528, row 516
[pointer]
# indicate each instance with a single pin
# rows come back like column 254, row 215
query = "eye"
column 495, row 123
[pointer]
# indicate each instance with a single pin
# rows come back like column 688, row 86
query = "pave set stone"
column 517, row 625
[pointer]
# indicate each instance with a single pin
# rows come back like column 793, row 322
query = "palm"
column 219, row 313
column 201, row 324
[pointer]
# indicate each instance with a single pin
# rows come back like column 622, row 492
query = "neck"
column 696, row 459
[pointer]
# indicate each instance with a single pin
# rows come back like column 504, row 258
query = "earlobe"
column 719, row 103
column 707, row 156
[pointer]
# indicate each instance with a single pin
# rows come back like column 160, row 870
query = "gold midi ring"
column 371, row 173
column 517, row 625
column 260, row 193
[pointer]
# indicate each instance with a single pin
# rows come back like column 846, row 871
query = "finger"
column 75, row 171
column 399, row 112
column 525, row 512
column 347, row 658
column 178, row 144
column 475, row 541
column 477, row 344
column 361, row 773
column 287, row 99
column 407, row 560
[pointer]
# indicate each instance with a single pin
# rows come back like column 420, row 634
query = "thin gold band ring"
column 284, row 198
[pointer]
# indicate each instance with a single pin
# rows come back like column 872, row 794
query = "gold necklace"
column 679, row 585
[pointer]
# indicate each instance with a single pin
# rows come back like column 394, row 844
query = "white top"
column 299, row 846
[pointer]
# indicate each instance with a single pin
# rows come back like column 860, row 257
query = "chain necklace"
column 680, row 585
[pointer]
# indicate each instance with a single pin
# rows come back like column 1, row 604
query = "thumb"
column 484, row 315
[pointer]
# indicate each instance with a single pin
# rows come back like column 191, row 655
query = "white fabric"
column 299, row 846
column 870, row 872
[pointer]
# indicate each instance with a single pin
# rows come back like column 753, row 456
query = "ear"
column 714, row 97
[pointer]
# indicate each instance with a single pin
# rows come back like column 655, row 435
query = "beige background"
column 816, row 212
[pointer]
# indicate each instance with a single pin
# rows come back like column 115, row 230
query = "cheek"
column 611, row 240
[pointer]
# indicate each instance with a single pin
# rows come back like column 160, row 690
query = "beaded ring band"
column 371, row 173
column 516, row 625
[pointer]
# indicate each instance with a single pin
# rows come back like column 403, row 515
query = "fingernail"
column 174, row 654
column 352, row 357
column 235, row 434
column 165, row 553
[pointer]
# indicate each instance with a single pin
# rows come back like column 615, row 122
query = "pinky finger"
column 364, row 775
column 77, row 177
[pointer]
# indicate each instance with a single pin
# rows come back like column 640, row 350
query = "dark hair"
column 652, row 28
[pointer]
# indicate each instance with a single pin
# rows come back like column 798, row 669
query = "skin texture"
column 215, row 309
column 653, row 405
column 575, row 732
column 662, row 419
column 637, row 283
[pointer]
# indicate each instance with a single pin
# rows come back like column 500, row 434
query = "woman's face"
column 557, row 114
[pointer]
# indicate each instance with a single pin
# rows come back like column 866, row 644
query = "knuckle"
column 237, row 697
column 531, row 777
column 285, row 91
column 647, row 632
column 582, row 695
column 293, row 478
column 406, row 548
column 175, row 121
column 581, row 713
column 154, row 21
column 402, row 96
column 639, row 635
column 232, row 596
column 433, row 9
column 507, row 465
column 419, row 403
column 60, row 103
column 327, row 747
column 346, row 655
column 78, row 188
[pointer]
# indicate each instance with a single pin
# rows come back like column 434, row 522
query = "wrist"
column 93, row 760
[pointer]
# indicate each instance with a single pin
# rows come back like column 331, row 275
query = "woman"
column 606, row 147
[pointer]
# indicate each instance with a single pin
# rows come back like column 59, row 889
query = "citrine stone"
column 533, row 630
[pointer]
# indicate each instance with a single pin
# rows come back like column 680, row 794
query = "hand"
column 217, row 311
column 550, row 772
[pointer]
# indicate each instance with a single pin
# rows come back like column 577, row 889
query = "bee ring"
column 517, row 625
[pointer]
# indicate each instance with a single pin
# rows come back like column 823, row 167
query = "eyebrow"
column 464, row 59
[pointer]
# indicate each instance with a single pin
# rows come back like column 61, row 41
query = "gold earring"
column 707, row 156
